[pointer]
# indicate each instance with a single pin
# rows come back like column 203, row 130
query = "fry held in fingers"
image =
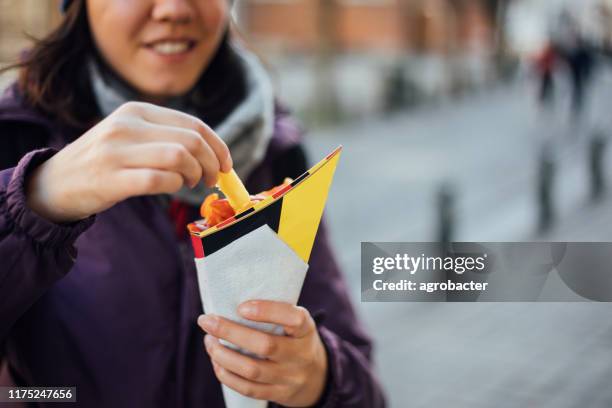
column 216, row 210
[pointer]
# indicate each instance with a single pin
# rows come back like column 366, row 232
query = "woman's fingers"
column 165, row 116
column 296, row 320
column 133, row 182
column 296, row 367
column 162, row 156
column 138, row 149
column 245, row 387
column 254, row 341
column 193, row 142
column 261, row 371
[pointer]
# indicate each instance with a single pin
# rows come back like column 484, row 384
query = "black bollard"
column 395, row 93
column 597, row 147
column 545, row 186
column 446, row 214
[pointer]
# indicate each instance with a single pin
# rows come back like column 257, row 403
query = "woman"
column 97, row 286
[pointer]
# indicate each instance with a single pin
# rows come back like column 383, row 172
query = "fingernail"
column 209, row 323
column 247, row 309
column 208, row 341
column 229, row 162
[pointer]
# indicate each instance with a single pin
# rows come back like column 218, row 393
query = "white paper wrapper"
column 259, row 265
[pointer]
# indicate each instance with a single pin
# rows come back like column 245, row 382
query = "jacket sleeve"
column 351, row 378
column 34, row 252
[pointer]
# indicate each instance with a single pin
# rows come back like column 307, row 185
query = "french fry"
column 237, row 195
column 215, row 210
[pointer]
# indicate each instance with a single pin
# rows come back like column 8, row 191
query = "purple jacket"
column 109, row 304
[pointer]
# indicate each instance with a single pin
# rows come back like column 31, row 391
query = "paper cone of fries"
column 262, row 253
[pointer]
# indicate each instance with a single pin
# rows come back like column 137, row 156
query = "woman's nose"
column 175, row 11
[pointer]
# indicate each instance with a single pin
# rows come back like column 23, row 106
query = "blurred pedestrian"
column 545, row 64
column 577, row 53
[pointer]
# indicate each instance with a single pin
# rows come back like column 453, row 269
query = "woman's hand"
column 138, row 149
column 293, row 368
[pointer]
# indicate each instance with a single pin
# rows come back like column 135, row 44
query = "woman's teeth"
column 170, row 47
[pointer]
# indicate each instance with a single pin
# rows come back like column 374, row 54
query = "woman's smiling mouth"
column 171, row 47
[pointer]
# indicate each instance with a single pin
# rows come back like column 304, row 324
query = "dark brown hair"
column 54, row 79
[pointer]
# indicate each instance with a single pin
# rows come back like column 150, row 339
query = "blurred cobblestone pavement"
column 486, row 146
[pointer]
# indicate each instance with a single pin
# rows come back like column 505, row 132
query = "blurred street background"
column 461, row 120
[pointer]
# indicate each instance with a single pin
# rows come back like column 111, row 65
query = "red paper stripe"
column 224, row 223
column 282, row 191
column 198, row 249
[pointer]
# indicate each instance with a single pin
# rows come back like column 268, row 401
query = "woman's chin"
column 161, row 91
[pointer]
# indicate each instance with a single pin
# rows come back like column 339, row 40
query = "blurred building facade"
column 363, row 25
column 20, row 19
column 399, row 52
